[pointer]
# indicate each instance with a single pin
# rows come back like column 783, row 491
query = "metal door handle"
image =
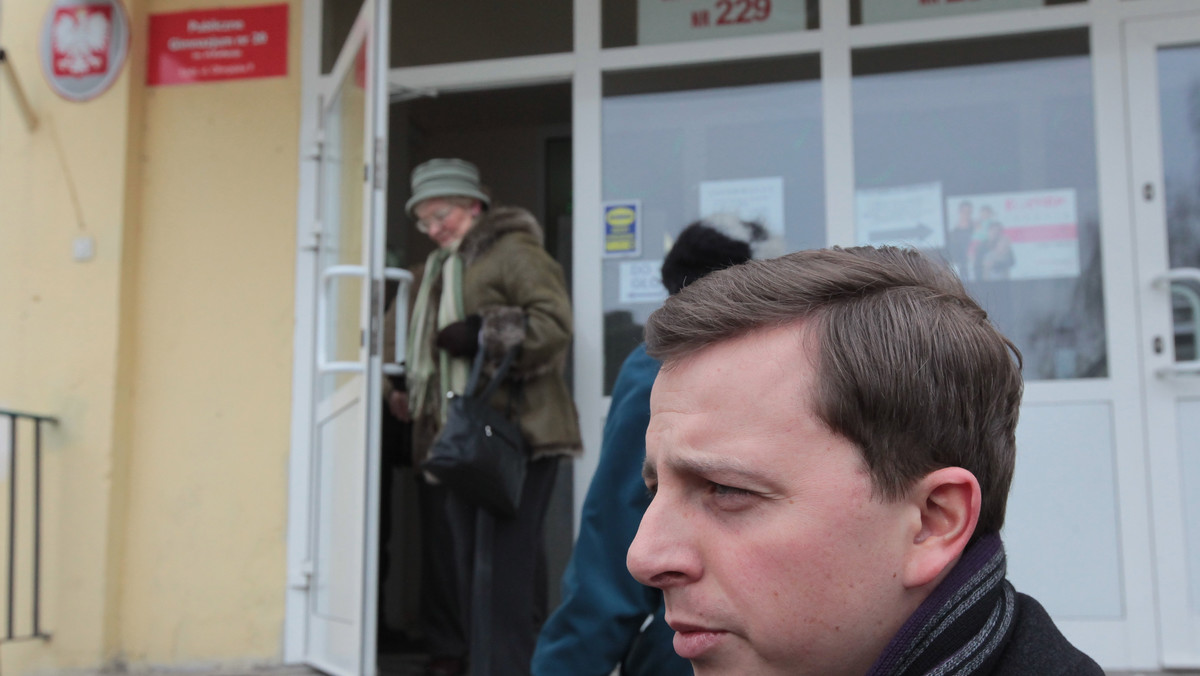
column 400, row 335
column 327, row 277
column 1165, row 282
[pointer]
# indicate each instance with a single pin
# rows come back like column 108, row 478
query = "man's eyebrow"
column 705, row 466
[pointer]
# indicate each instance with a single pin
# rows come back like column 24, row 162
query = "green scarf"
column 428, row 379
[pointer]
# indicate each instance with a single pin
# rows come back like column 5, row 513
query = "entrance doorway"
column 520, row 138
column 1163, row 70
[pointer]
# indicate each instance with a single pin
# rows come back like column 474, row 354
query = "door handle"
column 400, row 335
column 1166, row 282
column 327, row 276
column 325, row 365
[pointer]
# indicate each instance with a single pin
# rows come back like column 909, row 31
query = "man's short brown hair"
column 910, row 368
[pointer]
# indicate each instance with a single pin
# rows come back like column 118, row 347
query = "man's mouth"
column 692, row 641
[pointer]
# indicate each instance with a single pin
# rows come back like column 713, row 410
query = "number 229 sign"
column 681, row 20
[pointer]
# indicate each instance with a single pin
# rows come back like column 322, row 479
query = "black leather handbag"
column 480, row 453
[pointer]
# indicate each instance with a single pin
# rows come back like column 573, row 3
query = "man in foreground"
column 831, row 443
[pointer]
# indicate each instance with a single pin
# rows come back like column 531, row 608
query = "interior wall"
column 426, row 32
column 504, row 132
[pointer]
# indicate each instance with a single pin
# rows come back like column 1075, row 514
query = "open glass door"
column 1163, row 68
column 346, row 371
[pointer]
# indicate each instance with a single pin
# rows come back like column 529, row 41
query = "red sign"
column 79, row 40
column 217, row 44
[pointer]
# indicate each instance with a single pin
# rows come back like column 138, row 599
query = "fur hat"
column 713, row 243
column 445, row 178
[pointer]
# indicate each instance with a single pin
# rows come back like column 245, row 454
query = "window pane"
column 644, row 22
column 425, row 33
column 682, row 143
column 993, row 166
column 886, row 11
column 337, row 18
column 1179, row 103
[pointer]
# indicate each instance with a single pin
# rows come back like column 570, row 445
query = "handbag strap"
column 497, row 377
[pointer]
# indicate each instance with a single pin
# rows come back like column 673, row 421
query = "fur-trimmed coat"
column 520, row 293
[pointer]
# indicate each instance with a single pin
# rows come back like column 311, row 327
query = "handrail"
column 31, row 416
column 39, row 421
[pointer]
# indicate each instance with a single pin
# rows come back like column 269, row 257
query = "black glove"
column 398, row 383
column 461, row 339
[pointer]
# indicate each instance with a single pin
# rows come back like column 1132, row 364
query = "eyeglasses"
column 438, row 217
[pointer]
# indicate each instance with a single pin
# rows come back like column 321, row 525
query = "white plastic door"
column 1163, row 69
column 344, row 461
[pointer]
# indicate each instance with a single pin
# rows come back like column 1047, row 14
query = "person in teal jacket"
column 607, row 619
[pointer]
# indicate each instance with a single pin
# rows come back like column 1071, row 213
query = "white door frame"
column 371, row 29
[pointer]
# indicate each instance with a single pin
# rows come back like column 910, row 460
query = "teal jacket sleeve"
column 599, row 623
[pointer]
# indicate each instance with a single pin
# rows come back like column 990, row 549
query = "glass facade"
column 984, row 152
column 677, row 152
column 1179, row 94
column 1000, row 135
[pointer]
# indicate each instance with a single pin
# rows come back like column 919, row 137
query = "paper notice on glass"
column 1015, row 235
column 622, row 228
column 641, row 282
column 905, row 215
column 752, row 199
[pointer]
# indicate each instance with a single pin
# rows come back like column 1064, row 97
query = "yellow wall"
column 59, row 327
column 167, row 357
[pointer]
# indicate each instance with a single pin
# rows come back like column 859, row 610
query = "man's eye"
column 651, row 490
column 729, row 499
column 723, row 490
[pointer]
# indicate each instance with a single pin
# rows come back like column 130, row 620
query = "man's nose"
column 659, row 555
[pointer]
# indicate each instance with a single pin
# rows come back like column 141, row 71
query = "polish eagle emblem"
column 80, row 40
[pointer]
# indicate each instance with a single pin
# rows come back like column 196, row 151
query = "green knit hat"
column 445, row 178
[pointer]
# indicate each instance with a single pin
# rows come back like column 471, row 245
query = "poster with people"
column 1015, row 235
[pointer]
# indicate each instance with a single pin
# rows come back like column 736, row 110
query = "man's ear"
column 948, row 502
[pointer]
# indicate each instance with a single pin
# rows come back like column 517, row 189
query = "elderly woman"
column 490, row 286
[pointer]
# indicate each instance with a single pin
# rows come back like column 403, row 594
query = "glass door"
column 344, row 454
column 985, row 152
column 1163, row 68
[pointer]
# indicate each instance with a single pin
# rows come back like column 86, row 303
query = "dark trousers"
column 502, row 614
column 440, row 604
column 438, row 599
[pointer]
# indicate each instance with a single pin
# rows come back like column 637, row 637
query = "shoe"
column 393, row 641
column 444, row 666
